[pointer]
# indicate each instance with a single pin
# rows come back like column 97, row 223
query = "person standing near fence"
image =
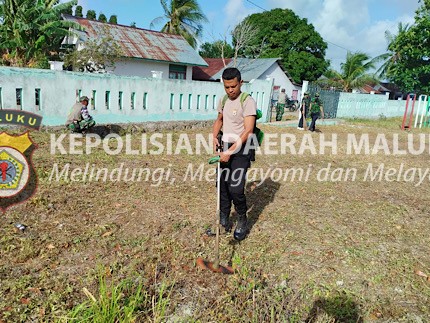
column 316, row 109
column 304, row 108
column 280, row 107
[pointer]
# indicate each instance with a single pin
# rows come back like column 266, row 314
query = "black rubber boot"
column 224, row 221
column 241, row 229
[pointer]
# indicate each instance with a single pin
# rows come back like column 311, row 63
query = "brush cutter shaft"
column 215, row 266
column 218, row 191
column 218, row 201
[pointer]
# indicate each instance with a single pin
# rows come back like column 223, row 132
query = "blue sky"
column 354, row 25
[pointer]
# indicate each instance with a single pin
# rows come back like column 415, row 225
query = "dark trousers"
column 314, row 116
column 302, row 119
column 232, row 181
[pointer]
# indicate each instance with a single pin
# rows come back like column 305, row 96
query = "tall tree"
column 31, row 30
column 102, row 17
column 67, row 11
column 243, row 40
column 97, row 54
column 91, row 14
column 391, row 56
column 184, row 17
column 410, row 68
column 283, row 34
column 78, row 12
column 355, row 72
column 113, row 19
column 217, row 49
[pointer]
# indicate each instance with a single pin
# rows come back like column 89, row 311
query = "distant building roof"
column 367, row 89
column 250, row 68
column 381, row 88
column 391, row 87
column 142, row 43
column 214, row 66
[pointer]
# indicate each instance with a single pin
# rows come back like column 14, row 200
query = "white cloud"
column 234, row 12
column 343, row 15
column 354, row 25
column 373, row 37
column 302, row 8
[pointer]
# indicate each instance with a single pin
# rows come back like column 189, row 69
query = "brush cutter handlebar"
column 214, row 160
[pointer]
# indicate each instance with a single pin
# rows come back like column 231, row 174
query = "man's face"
column 84, row 102
column 232, row 88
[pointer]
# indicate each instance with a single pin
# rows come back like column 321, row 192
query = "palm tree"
column 392, row 55
column 31, row 30
column 184, row 17
column 354, row 72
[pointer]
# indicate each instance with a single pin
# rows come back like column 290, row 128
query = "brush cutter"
column 215, row 266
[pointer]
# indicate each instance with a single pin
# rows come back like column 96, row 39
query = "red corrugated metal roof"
column 143, row 43
column 214, row 66
column 369, row 89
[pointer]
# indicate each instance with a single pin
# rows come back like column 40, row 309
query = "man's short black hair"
column 230, row 73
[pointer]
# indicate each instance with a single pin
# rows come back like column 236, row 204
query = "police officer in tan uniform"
column 237, row 121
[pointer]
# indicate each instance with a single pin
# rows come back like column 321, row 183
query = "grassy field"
column 340, row 245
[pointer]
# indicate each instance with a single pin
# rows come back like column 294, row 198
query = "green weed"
column 126, row 301
column 116, row 303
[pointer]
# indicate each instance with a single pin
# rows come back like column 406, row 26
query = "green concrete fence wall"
column 117, row 99
column 121, row 99
column 357, row 105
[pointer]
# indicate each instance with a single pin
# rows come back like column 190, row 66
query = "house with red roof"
column 147, row 53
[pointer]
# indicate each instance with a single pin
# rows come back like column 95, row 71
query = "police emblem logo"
column 17, row 174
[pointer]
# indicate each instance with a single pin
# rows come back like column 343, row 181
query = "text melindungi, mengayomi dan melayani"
column 273, row 144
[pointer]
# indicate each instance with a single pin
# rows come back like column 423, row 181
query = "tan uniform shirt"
column 75, row 113
column 233, row 120
column 282, row 98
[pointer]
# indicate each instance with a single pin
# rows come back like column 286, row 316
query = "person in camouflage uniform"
column 280, row 107
column 316, row 110
column 306, row 101
column 79, row 119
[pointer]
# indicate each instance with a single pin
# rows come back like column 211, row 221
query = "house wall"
column 154, row 99
column 281, row 80
column 353, row 105
column 134, row 67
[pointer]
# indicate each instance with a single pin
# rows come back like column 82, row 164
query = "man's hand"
column 216, row 143
column 215, row 131
column 224, row 157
